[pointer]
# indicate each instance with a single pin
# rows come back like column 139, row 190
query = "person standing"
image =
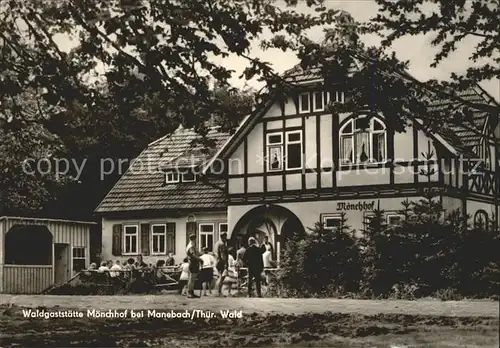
column 255, row 264
column 194, row 265
column 267, row 258
column 266, row 244
column 222, row 260
column 240, row 253
column 207, row 272
column 184, row 278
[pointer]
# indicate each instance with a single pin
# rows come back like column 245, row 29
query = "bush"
column 427, row 254
column 449, row 294
column 478, row 263
column 323, row 263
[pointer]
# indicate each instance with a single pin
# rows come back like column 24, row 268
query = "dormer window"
column 318, row 101
column 188, row 177
column 338, row 97
column 171, row 177
column 304, row 105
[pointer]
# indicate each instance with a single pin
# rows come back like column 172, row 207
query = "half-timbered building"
column 160, row 200
column 293, row 163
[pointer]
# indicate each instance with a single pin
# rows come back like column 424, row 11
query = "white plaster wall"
column 180, row 234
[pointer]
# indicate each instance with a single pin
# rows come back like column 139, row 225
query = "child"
column 231, row 278
column 207, row 272
column 183, row 280
column 129, row 267
column 238, row 264
column 170, row 260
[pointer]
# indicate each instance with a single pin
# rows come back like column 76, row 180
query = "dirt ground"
column 263, row 322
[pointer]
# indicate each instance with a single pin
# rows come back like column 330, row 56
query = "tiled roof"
column 298, row 74
column 461, row 138
column 142, row 186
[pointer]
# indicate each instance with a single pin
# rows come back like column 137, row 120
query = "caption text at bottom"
column 151, row 313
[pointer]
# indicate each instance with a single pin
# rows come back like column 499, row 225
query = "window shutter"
column 117, row 240
column 145, row 239
column 171, row 237
column 190, row 229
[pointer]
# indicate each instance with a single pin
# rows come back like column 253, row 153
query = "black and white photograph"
column 250, row 173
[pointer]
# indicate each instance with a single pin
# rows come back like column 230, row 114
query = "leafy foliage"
column 136, row 70
column 161, row 49
column 452, row 22
column 377, row 259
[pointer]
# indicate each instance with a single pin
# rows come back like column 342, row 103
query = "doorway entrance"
column 61, row 263
column 267, row 220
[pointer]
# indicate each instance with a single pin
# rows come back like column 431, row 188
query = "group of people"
column 254, row 257
column 202, row 266
column 117, row 269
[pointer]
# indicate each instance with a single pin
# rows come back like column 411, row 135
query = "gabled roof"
column 143, row 187
column 457, row 139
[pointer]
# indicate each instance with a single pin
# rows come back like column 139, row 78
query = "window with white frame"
column 338, row 97
column 293, row 149
column 171, row 177
column 394, row 219
column 158, row 237
column 304, row 103
column 318, row 101
column 367, row 218
column 275, row 151
column 363, row 140
column 188, row 177
column 130, row 239
column 206, row 233
column 79, row 259
column 291, row 154
column 332, row 222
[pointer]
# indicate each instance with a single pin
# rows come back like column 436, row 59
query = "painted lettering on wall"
column 361, row 206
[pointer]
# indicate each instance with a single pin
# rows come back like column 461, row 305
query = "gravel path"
column 261, row 305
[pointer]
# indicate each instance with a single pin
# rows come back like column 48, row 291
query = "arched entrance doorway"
column 276, row 222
